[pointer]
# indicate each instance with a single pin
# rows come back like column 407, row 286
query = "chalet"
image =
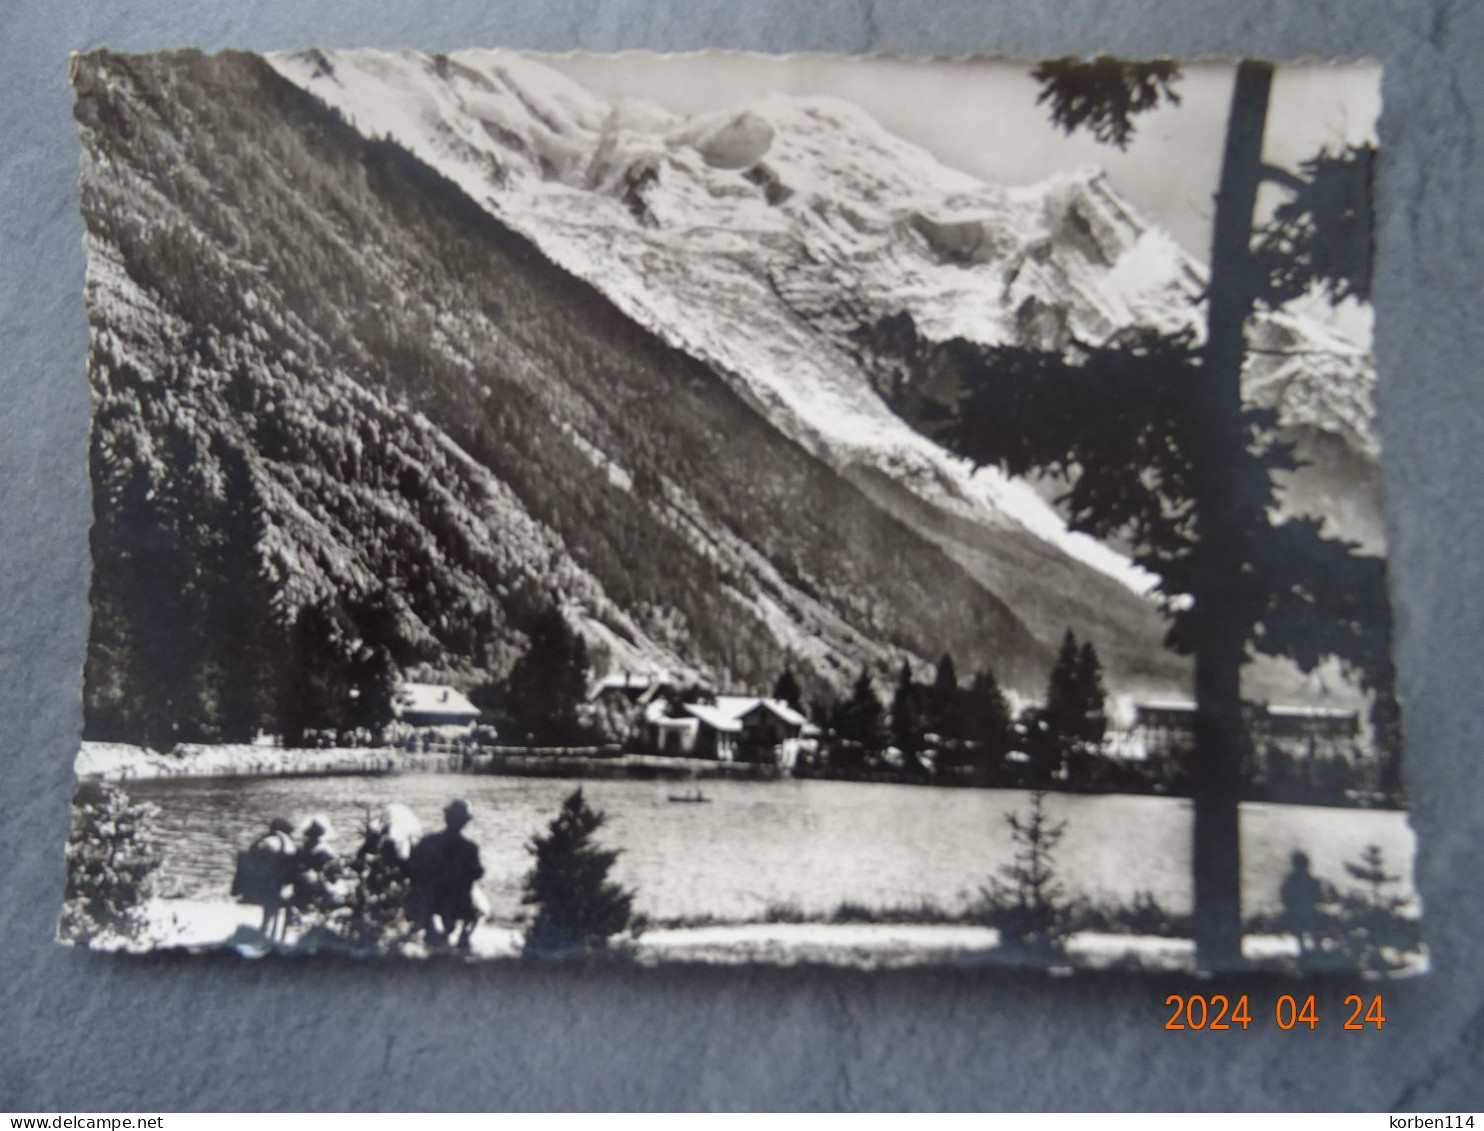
column 715, row 732
column 770, row 732
column 733, row 728
column 434, row 706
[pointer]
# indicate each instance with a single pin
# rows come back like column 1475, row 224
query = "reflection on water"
column 812, row 844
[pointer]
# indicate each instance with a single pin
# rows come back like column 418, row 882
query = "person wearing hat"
column 265, row 874
column 445, row 867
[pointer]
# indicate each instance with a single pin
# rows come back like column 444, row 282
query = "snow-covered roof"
column 779, row 708
column 432, row 699
column 714, row 717
column 728, row 711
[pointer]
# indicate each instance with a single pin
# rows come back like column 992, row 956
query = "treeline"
column 940, row 731
column 943, row 731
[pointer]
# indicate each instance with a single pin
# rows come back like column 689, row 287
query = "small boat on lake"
column 695, row 798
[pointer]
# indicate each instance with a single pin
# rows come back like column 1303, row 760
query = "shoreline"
column 209, row 925
column 124, row 762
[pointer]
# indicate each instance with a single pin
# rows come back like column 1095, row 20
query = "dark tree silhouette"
column 1092, row 718
column 907, row 717
column 549, row 682
column 1094, row 694
column 314, row 692
column 238, row 625
column 1375, row 933
column 787, row 689
column 578, row 907
column 372, row 677
column 1151, row 431
column 1063, row 709
column 1029, row 905
column 860, row 722
column 945, row 701
column 1105, row 93
column 1066, row 732
column 988, row 723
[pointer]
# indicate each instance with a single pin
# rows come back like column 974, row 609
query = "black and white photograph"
column 727, row 508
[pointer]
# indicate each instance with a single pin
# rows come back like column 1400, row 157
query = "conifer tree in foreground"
column 112, row 859
column 1375, row 932
column 1031, row 909
column 578, row 907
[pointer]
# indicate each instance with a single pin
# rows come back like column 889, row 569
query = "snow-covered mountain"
column 802, row 220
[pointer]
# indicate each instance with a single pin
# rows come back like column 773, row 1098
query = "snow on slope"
column 757, row 240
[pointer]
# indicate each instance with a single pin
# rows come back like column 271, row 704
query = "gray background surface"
column 87, row 1032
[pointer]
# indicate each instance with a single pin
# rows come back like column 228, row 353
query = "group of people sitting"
column 397, row 876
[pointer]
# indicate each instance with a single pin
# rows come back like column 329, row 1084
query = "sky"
column 980, row 115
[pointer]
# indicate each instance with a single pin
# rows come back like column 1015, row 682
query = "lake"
column 810, row 844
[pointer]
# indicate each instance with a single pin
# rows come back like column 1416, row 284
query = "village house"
column 435, row 707
column 732, row 728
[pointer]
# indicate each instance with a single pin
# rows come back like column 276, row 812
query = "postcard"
column 722, row 508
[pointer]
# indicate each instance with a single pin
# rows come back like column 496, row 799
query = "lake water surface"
column 811, row 844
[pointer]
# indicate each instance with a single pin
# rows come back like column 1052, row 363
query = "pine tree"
column 578, row 907
column 113, row 858
column 859, row 724
column 1090, row 723
column 989, row 724
column 907, row 717
column 549, row 682
column 945, row 714
column 1374, row 932
column 1057, row 726
column 1031, row 909
column 787, row 689
column 1063, row 696
column 1092, row 694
